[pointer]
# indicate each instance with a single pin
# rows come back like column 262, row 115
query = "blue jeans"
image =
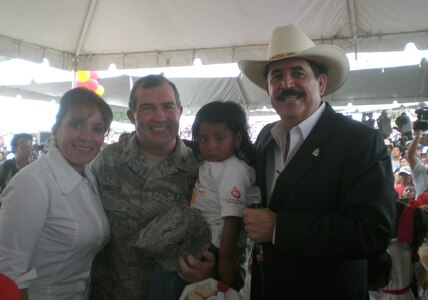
column 165, row 284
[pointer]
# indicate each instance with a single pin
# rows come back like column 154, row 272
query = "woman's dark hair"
column 83, row 97
column 419, row 227
column 234, row 117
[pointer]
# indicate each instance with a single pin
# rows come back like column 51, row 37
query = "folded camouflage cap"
column 176, row 230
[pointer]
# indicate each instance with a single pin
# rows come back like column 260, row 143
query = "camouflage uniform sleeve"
column 101, row 280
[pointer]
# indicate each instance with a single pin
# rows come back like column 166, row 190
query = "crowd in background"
column 36, row 151
column 407, row 255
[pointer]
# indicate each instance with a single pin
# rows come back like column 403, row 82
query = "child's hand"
column 227, row 270
column 193, row 270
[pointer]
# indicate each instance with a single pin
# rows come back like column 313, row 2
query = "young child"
column 224, row 146
column 410, row 233
column 408, row 193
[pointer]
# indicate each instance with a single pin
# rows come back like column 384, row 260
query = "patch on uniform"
column 235, row 192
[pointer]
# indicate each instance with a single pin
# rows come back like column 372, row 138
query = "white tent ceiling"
column 91, row 34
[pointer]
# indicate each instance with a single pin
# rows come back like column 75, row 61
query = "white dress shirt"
column 51, row 222
column 298, row 134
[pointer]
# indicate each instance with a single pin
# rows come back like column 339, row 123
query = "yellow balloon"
column 100, row 90
column 83, row 76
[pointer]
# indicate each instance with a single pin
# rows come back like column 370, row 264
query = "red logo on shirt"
column 235, row 192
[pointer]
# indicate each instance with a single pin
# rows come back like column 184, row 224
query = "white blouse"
column 51, row 222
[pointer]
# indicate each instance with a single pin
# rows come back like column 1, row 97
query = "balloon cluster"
column 89, row 80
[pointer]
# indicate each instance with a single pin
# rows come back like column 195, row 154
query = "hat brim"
column 329, row 56
column 405, row 172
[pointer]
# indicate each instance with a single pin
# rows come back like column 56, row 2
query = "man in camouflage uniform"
column 136, row 177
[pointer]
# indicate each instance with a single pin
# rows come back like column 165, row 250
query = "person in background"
column 384, row 124
column 405, row 127
column 404, row 162
column 21, row 146
column 51, row 220
column 326, row 180
column 411, row 230
column 424, row 157
column 405, row 151
column 408, row 193
column 405, row 178
column 395, row 158
column 419, row 170
column 153, row 164
column 368, row 119
column 389, row 145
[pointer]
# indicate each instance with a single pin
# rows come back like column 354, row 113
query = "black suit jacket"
column 335, row 207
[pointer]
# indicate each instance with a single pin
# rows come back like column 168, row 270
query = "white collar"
column 66, row 176
column 305, row 127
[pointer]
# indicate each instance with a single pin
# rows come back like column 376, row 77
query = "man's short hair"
column 151, row 81
column 17, row 137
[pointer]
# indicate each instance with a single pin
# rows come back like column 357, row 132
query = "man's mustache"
column 290, row 92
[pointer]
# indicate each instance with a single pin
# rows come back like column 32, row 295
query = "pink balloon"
column 92, row 84
column 94, row 75
column 79, row 84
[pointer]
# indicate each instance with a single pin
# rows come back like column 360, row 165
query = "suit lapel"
column 265, row 142
column 307, row 157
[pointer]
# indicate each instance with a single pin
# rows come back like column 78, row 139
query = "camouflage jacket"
column 131, row 194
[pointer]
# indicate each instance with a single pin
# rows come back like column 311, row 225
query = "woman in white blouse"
column 51, row 219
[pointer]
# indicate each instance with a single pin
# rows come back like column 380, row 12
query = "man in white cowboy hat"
column 326, row 180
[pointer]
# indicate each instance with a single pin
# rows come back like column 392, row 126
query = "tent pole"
column 353, row 24
column 85, row 27
column 73, row 71
column 423, row 64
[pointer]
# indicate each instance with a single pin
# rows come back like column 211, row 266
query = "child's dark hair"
column 379, row 271
column 419, row 227
column 234, row 117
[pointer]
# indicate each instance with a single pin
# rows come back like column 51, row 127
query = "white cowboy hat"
column 290, row 42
